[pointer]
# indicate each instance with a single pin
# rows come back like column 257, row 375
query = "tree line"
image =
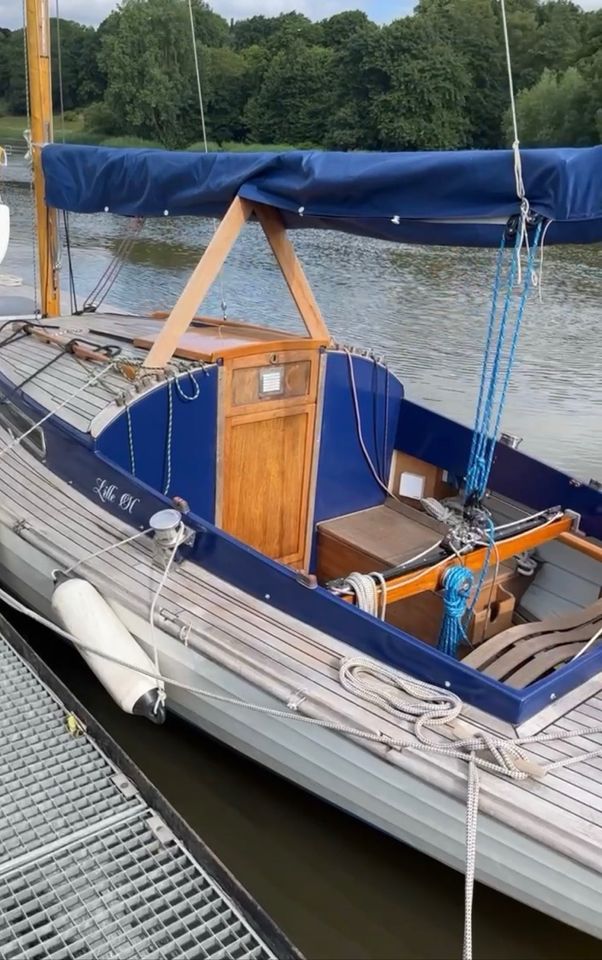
column 435, row 79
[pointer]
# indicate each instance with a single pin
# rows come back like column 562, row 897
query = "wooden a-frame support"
column 211, row 263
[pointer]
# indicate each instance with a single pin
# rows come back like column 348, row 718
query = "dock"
column 93, row 861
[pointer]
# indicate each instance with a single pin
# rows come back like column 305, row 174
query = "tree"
column 339, row 30
column 551, row 113
column 423, row 105
column 148, row 60
column 228, row 74
column 295, row 98
column 591, row 70
column 255, row 31
column 435, row 79
column 82, row 81
column 357, row 79
column 210, row 28
column 12, row 73
column 559, row 35
column 522, row 32
column 275, row 32
column 473, row 29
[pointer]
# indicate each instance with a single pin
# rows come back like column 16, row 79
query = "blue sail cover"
column 459, row 198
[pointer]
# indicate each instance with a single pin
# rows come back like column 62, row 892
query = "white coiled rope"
column 431, row 707
column 364, row 586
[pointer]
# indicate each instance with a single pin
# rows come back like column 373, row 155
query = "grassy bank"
column 11, row 131
column 244, row 147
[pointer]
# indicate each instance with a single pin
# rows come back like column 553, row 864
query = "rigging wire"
column 110, row 274
column 198, row 76
column 199, row 88
column 518, row 168
column 72, row 291
column 59, row 60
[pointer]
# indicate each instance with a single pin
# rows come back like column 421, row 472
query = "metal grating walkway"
column 87, row 869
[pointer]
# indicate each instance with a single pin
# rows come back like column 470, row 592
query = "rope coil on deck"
column 457, row 584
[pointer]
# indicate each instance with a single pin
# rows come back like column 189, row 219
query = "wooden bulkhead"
column 268, row 419
column 268, row 397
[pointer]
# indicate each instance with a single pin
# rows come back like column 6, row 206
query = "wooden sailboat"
column 261, row 525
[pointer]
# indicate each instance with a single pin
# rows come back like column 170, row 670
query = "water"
column 338, row 888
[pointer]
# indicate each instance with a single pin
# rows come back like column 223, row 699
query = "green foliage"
column 275, row 32
column 472, row 28
column 293, row 100
column 551, row 113
column 230, row 77
column 81, row 79
column 237, row 147
column 148, row 62
column 12, row 72
column 131, row 142
column 433, row 80
column 99, row 118
column 425, row 88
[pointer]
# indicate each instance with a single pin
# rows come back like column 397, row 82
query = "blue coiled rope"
column 457, row 584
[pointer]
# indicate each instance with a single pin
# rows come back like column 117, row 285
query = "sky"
column 93, row 11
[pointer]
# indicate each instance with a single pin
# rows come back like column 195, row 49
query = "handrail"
column 582, row 544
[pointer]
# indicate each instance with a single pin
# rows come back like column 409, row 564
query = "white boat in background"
column 4, row 213
column 394, row 611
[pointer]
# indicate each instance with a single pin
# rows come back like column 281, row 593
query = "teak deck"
column 260, row 643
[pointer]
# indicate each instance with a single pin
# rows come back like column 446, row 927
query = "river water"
column 338, row 888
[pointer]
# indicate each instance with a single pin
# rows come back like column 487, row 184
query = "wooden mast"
column 37, row 30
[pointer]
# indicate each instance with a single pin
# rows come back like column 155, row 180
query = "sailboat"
column 263, row 533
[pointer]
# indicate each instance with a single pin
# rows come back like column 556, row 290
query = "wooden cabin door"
column 266, row 480
column 267, row 452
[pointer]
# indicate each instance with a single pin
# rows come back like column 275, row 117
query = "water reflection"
column 423, row 308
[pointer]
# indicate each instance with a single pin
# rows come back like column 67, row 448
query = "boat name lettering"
column 109, row 493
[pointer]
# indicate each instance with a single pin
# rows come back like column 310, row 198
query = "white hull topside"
column 423, row 809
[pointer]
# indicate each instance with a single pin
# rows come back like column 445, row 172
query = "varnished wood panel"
column 421, row 615
column 384, row 534
column 229, row 323
column 336, row 559
column 212, row 343
column 434, row 485
column 240, row 379
column 266, row 471
column 246, row 383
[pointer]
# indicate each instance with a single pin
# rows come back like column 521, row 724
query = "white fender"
column 4, row 230
column 90, row 619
